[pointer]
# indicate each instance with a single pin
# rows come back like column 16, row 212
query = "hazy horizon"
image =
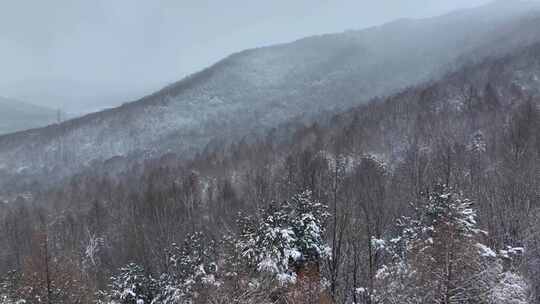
column 82, row 56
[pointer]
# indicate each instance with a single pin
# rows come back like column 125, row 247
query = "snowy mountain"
column 429, row 194
column 474, row 130
column 257, row 89
column 17, row 116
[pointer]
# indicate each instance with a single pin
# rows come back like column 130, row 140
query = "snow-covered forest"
column 429, row 193
column 429, row 196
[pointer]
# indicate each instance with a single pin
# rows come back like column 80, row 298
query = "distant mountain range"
column 258, row 89
column 17, row 116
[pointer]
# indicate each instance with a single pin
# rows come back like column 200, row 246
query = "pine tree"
column 132, row 286
column 192, row 269
column 438, row 256
column 288, row 233
column 307, row 219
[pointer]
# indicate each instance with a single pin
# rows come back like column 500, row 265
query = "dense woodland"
column 428, row 196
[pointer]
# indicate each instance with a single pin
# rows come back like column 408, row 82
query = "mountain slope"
column 18, row 116
column 258, row 89
column 475, row 129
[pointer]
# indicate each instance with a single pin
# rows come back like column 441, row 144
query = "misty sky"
column 81, row 55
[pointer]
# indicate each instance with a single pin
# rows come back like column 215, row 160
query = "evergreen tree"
column 438, row 256
column 288, row 233
column 192, row 269
column 132, row 286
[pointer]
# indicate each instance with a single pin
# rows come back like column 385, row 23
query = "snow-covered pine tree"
column 288, row 233
column 195, row 259
column 132, row 286
column 192, row 269
column 307, row 219
column 438, row 256
column 268, row 245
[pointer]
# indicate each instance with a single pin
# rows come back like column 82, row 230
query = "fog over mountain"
column 255, row 90
column 82, row 56
column 398, row 162
column 16, row 115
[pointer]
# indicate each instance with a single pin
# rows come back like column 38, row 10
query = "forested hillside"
column 428, row 196
column 255, row 90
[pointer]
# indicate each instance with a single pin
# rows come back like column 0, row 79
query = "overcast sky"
column 81, row 54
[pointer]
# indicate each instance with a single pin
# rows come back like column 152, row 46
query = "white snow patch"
column 485, row 251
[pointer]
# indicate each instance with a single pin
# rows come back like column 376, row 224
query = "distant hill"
column 17, row 116
column 258, row 89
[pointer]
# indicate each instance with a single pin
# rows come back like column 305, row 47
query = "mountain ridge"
column 260, row 88
column 17, row 115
